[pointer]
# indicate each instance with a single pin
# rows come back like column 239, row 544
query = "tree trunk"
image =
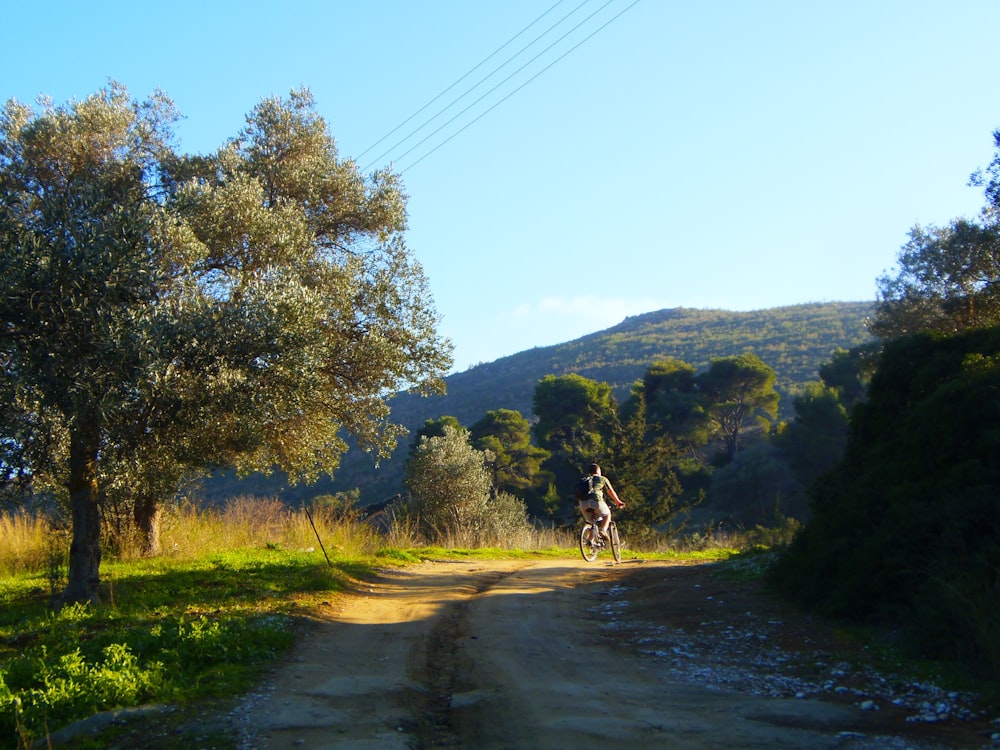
column 147, row 525
column 85, row 549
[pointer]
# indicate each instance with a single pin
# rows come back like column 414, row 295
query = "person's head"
column 595, row 470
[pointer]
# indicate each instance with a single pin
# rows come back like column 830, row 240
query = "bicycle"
column 591, row 544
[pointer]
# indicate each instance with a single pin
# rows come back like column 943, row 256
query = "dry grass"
column 401, row 530
column 24, row 543
column 30, row 543
column 189, row 531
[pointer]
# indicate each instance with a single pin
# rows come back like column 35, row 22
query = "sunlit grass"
column 24, row 543
column 495, row 553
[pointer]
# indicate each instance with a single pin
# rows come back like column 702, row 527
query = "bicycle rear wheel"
column 587, row 548
column 616, row 542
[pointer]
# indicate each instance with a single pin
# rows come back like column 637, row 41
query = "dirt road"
column 561, row 654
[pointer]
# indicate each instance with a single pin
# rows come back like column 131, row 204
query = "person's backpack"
column 585, row 488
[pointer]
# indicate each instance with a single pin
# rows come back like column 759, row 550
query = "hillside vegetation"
column 793, row 340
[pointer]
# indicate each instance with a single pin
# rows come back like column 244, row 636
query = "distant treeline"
column 794, row 341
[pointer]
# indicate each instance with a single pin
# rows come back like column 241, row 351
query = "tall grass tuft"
column 189, row 530
column 24, row 543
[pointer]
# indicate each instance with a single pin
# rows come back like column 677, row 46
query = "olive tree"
column 168, row 313
column 449, row 486
column 947, row 280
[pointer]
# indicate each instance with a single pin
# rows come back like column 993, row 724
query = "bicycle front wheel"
column 587, row 548
column 616, row 542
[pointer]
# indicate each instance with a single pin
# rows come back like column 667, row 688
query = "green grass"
column 167, row 632
column 496, row 553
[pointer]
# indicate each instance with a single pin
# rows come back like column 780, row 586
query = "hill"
column 793, row 340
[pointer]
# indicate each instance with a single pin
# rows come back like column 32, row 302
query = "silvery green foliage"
column 449, row 487
column 164, row 314
column 946, row 280
column 506, row 524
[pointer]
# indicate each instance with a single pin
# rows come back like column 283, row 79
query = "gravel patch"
column 747, row 653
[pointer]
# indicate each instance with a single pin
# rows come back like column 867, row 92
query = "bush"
column 506, row 523
column 449, row 489
column 906, row 530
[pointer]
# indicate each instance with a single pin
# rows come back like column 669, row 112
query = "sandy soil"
column 561, row 654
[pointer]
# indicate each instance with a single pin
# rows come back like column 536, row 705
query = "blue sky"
column 647, row 155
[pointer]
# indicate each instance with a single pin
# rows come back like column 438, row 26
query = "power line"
column 497, row 104
column 470, row 72
column 474, row 87
column 446, row 124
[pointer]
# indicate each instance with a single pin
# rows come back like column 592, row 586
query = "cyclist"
column 593, row 503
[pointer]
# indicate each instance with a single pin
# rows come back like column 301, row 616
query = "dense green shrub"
column 906, row 529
